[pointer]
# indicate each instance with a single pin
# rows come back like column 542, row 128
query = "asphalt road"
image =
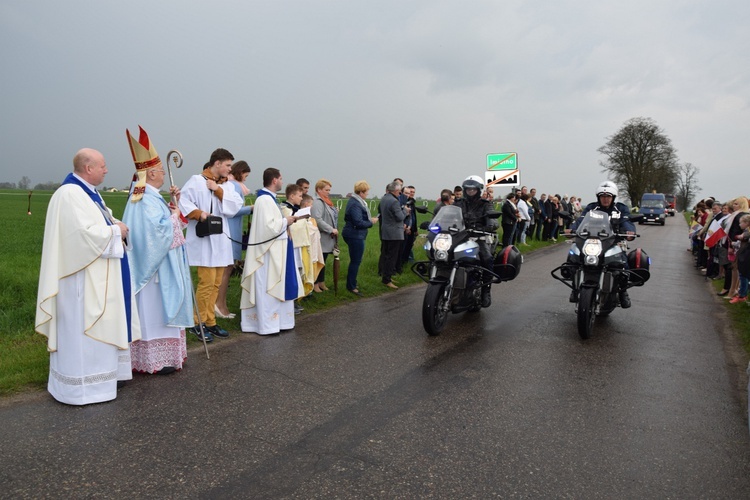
column 360, row 403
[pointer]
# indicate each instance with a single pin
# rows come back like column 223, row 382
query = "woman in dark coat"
column 357, row 220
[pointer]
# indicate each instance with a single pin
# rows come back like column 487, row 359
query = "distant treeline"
column 50, row 186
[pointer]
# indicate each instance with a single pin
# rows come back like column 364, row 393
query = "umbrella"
column 336, row 266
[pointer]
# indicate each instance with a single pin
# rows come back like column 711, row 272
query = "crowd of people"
column 116, row 296
column 720, row 242
column 526, row 216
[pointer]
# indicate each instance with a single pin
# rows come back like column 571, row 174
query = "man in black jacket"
column 510, row 218
column 475, row 209
column 605, row 202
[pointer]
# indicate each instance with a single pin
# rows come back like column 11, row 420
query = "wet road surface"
column 360, row 403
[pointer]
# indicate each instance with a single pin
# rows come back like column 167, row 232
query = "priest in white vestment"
column 85, row 305
column 161, row 275
column 270, row 281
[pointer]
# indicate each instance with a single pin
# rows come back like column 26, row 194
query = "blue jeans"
column 356, row 251
column 742, row 292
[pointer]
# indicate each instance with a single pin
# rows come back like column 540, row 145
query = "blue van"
column 653, row 208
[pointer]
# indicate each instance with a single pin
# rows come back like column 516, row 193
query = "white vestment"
column 80, row 302
column 265, row 307
column 214, row 250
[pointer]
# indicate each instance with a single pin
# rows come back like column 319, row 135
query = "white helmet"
column 473, row 181
column 607, row 187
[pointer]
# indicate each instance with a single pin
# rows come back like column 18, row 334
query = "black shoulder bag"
column 212, row 225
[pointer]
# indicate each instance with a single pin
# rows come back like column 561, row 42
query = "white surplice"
column 214, row 250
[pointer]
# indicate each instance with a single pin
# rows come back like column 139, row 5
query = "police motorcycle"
column 454, row 275
column 599, row 267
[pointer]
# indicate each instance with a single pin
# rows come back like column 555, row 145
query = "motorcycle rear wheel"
column 434, row 315
column 586, row 306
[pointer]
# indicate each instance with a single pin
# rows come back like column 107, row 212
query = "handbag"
column 213, row 224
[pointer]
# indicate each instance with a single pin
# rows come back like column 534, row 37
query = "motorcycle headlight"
column 592, row 247
column 442, row 242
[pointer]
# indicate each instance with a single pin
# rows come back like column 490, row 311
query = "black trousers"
column 390, row 252
column 508, row 230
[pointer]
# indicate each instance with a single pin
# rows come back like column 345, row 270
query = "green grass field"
column 24, row 361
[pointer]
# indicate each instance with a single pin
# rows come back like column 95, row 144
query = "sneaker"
column 217, row 331
column 196, row 330
column 737, row 299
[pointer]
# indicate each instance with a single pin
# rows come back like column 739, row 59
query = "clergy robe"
column 270, row 281
column 162, row 283
column 81, row 302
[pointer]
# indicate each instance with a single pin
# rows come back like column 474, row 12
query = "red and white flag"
column 714, row 234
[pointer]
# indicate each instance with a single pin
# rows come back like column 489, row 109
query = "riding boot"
column 486, row 297
column 624, row 299
column 573, row 296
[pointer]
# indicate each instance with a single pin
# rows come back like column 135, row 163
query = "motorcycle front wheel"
column 434, row 313
column 586, row 306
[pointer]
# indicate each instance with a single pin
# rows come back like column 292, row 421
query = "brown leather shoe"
column 391, row 285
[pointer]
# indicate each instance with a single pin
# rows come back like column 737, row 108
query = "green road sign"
column 502, row 169
column 501, row 161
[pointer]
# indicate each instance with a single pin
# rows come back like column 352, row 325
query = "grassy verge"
column 24, row 361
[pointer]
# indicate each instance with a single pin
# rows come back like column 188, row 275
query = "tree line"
column 25, row 184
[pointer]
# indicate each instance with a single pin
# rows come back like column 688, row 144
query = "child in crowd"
column 310, row 249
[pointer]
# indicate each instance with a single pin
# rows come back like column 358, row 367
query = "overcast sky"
column 350, row 90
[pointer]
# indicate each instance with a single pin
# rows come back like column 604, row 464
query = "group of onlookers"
column 719, row 236
column 524, row 216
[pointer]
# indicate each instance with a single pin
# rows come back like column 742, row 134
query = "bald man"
column 85, row 306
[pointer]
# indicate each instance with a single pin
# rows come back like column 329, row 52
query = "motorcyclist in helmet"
column 474, row 209
column 605, row 202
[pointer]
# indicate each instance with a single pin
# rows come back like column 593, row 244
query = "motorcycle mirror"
column 421, row 210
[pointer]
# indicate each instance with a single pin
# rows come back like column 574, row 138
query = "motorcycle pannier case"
column 507, row 263
column 638, row 266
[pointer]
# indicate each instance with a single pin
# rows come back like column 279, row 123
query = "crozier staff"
column 85, row 306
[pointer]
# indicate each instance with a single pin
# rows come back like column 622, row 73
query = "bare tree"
column 24, row 183
column 640, row 158
column 687, row 185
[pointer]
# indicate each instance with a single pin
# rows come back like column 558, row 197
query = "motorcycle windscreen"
column 595, row 224
column 449, row 216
